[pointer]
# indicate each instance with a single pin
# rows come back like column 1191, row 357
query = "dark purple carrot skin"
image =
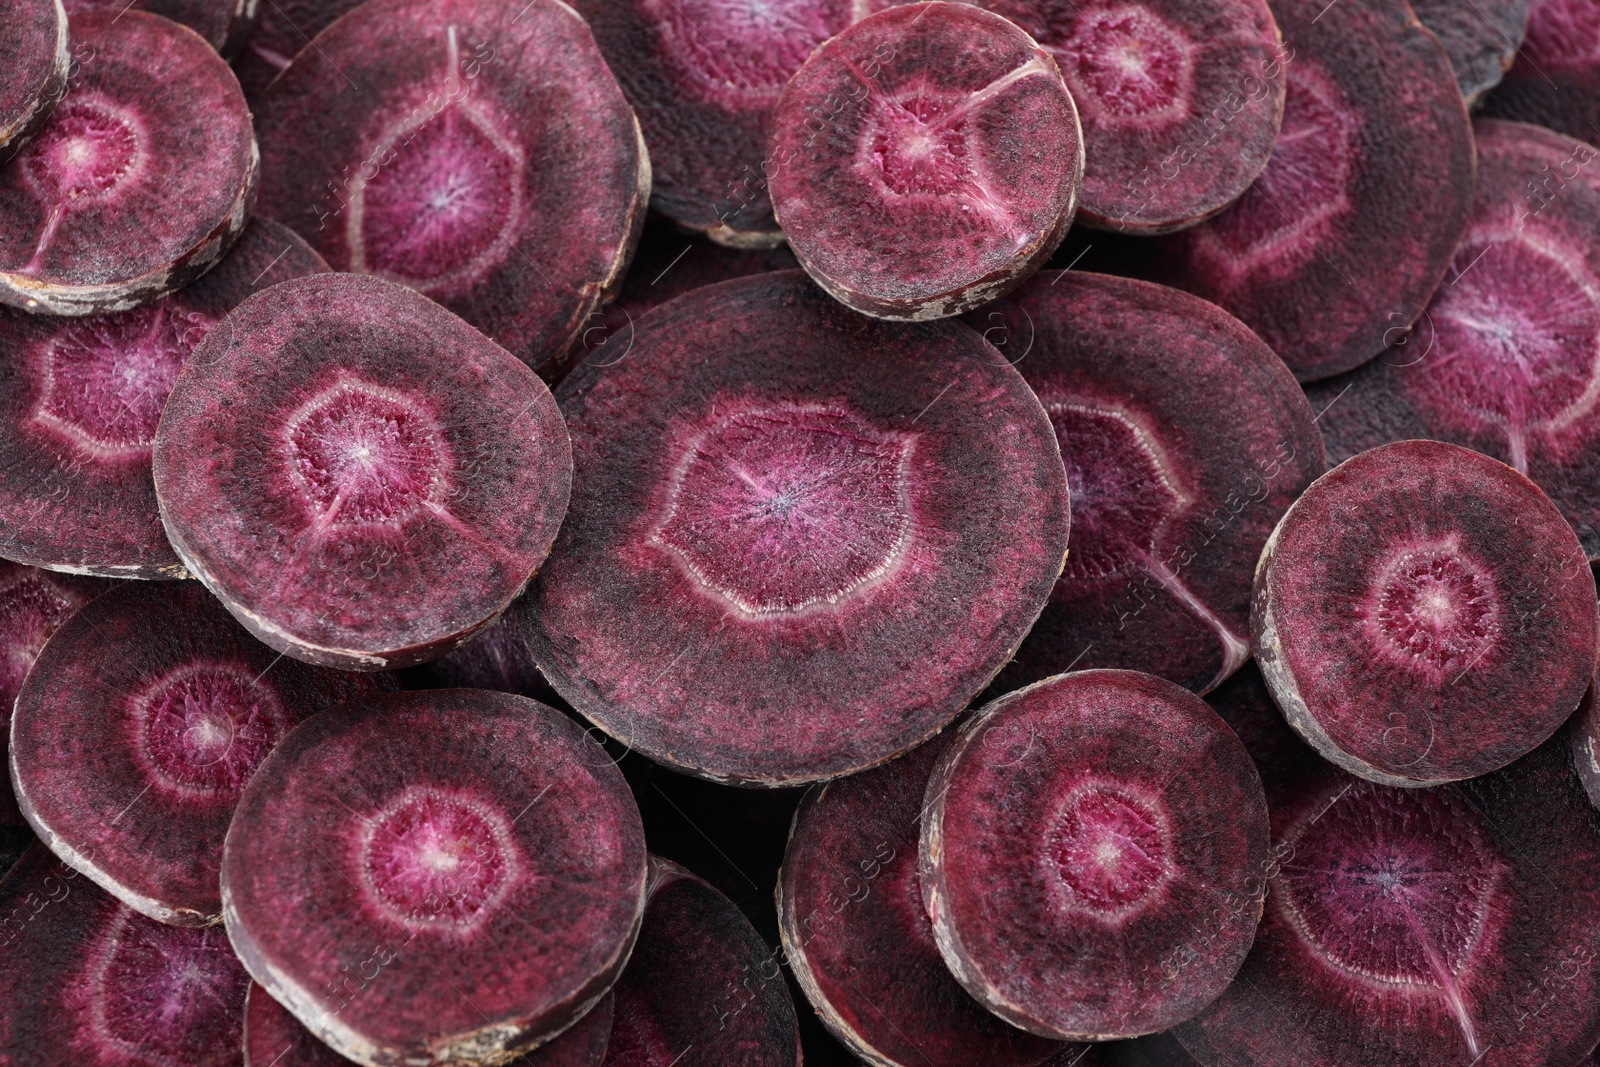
column 363, row 478
column 1180, row 102
column 1499, row 360
column 700, row 979
column 274, row 1038
column 1404, row 602
column 89, row 982
column 661, row 614
column 1555, row 80
column 84, row 396
column 105, row 208
column 33, row 604
column 1083, row 814
column 1171, row 506
column 976, row 161
column 479, row 152
column 858, row 940
column 426, row 877
column 136, row 731
column 1341, row 242
column 1420, row 926
column 34, row 58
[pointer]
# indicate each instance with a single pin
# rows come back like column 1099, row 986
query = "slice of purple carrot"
column 82, row 397
column 1341, row 242
column 1171, row 506
column 140, row 181
column 136, row 731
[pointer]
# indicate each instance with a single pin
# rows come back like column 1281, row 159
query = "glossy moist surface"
column 476, row 151
column 1424, row 614
column 701, row 985
column 89, row 982
column 429, row 874
column 1180, row 101
column 33, row 67
column 1556, row 80
column 781, row 506
column 362, row 478
column 925, row 160
column 1415, row 927
column 1093, row 855
column 1170, row 504
column 83, row 396
column 135, row 734
column 1481, row 38
column 1503, row 358
column 33, row 603
column 1340, row 243
column 139, row 182
column 274, row 1038
column 857, row 937
column 704, row 77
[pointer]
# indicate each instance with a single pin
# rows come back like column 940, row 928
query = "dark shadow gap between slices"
column 274, row 1038
column 857, row 938
column 136, row 731
column 1424, row 614
column 1340, row 243
column 1412, row 927
column 1180, row 101
column 473, row 856
column 361, row 477
column 712, row 604
column 34, row 59
column 1093, row 855
column 81, row 397
column 283, row 28
column 925, row 161
column 1171, row 505
column 1555, row 80
column 1501, row 359
column 701, row 985
column 141, row 179
column 479, row 152
column 87, row 981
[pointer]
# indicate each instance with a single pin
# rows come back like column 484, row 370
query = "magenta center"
column 1433, row 607
column 1129, row 66
column 104, row 379
column 203, row 729
column 920, row 149
column 1392, row 884
column 436, row 859
column 783, row 509
column 746, row 49
column 363, row 453
column 1111, row 848
column 1122, row 499
column 1516, row 336
column 440, row 208
column 164, row 996
column 89, row 147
